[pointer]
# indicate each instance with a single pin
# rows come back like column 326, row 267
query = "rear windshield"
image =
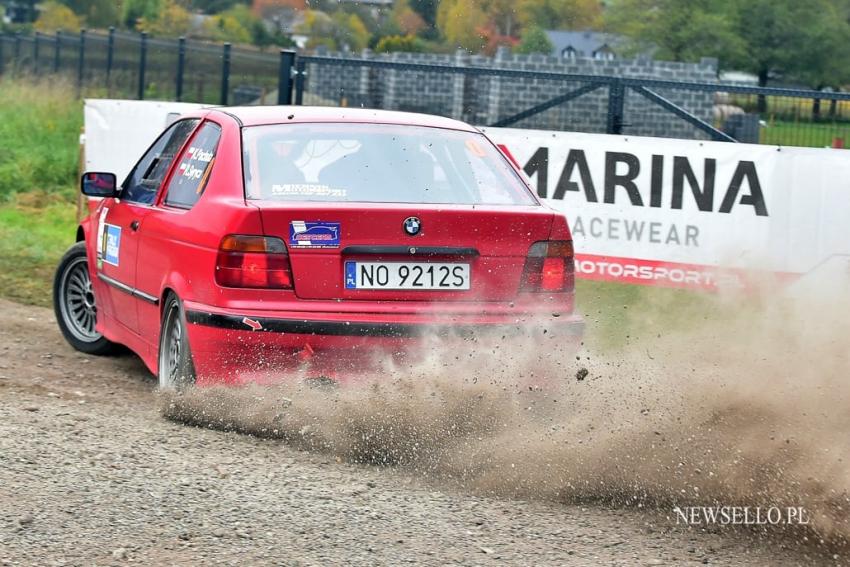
column 377, row 163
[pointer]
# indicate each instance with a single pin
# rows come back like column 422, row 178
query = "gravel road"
column 91, row 474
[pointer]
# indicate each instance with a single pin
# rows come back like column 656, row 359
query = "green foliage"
column 96, row 13
column 172, row 20
column 534, row 40
column 460, row 23
column 793, row 39
column 678, row 30
column 136, row 10
column 55, row 16
column 560, row 14
column 391, row 43
column 232, row 25
column 336, row 31
column 771, row 38
column 214, row 6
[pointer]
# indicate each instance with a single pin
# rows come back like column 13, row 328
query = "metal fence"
column 125, row 65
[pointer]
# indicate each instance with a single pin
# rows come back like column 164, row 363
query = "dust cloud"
column 748, row 405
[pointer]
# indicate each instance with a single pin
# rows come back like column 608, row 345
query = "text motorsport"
column 741, row 515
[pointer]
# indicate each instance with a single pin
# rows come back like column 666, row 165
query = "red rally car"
column 258, row 239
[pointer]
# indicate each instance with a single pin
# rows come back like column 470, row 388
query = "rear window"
column 377, row 163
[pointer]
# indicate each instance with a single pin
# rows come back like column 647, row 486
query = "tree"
column 792, row 39
column 97, row 13
column 214, row 6
column 350, row 32
column 406, row 19
column 55, row 16
column 226, row 27
column 342, row 30
column 461, row 22
column 172, row 20
column 559, row 14
column 136, row 10
column 534, row 40
column 678, row 30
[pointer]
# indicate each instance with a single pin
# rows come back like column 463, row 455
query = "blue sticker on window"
column 111, row 244
column 350, row 275
column 307, row 234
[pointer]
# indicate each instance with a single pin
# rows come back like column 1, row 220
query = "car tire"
column 74, row 303
column 175, row 370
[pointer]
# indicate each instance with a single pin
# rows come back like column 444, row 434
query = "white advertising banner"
column 688, row 213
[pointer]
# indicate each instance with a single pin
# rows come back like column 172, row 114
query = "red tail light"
column 253, row 261
column 550, row 267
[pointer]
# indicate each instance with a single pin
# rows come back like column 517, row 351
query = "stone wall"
column 484, row 100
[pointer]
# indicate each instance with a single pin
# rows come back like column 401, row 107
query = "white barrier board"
column 117, row 132
column 688, row 213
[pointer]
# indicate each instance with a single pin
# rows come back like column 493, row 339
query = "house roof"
column 585, row 43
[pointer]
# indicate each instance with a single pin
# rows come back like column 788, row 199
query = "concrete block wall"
column 483, row 100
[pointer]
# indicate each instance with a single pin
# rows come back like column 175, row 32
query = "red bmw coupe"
column 260, row 239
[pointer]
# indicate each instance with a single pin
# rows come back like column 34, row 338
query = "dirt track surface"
column 91, row 474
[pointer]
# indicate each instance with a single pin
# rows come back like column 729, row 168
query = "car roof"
column 260, row 115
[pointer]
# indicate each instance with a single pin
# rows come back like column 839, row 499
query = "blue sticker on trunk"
column 308, row 234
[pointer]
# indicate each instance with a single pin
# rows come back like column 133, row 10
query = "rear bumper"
column 236, row 346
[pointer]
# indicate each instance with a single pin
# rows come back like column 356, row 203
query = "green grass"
column 32, row 239
column 40, row 125
column 39, row 150
column 808, row 134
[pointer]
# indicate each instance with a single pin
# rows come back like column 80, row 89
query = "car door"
column 169, row 240
column 121, row 219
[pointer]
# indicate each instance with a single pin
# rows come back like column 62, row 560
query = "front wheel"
column 74, row 303
column 176, row 370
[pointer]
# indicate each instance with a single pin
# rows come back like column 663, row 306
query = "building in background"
column 584, row 43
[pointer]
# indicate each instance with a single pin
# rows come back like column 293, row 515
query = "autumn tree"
column 461, row 23
column 171, row 20
column 534, row 40
column 55, row 16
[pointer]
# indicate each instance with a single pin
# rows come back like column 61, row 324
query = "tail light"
column 253, row 261
column 550, row 267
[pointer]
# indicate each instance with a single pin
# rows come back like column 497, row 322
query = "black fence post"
column 225, row 74
column 35, row 45
column 81, row 61
column 110, row 51
column 57, row 47
column 300, row 74
column 181, row 65
column 284, row 77
column 616, row 103
column 143, row 59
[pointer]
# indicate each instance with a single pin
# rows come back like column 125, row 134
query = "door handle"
column 134, row 226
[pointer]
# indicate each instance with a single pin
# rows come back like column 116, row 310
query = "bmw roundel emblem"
column 412, row 225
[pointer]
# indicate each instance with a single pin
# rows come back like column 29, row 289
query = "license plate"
column 404, row 275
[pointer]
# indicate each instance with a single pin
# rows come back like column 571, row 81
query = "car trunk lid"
column 322, row 238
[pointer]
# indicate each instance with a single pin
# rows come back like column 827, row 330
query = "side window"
column 193, row 170
column 146, row 177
